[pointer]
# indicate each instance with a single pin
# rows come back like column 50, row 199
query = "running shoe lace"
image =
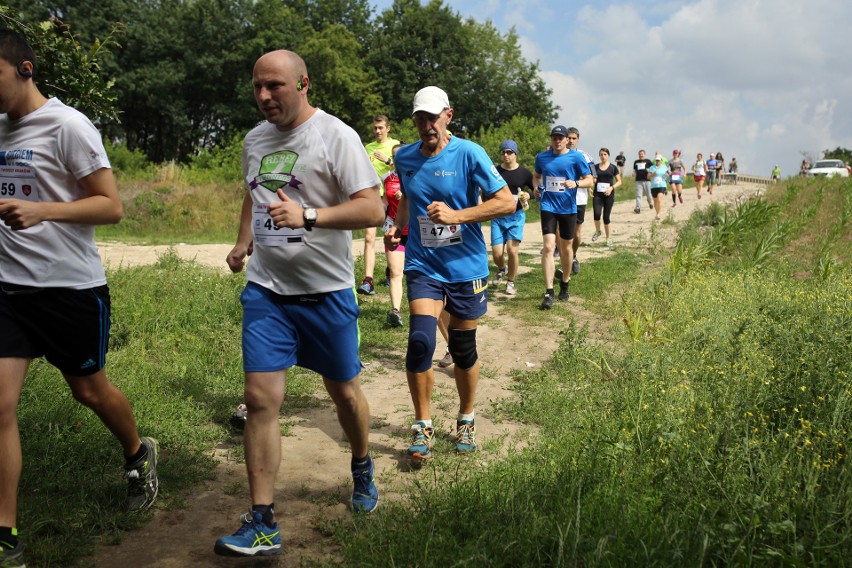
column 465, row 434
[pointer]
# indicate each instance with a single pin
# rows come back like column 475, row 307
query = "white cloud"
column 761, row 80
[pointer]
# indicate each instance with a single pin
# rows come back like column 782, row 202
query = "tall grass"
column 712, row 428
column 717, row 435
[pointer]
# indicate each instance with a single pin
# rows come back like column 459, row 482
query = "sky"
column 759, row 80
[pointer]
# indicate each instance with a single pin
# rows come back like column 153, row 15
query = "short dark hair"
column 382, row 118
column 15, row 49
column 572, row 130
column 604, row 150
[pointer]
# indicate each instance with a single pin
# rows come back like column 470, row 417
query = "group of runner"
column 308, row 184
column 653, row 177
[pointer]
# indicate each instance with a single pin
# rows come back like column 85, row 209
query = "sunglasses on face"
column 504, row 152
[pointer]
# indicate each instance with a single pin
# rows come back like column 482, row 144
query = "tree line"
column 171, row 78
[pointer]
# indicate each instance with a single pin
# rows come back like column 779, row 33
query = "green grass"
column 714, row 433
column 711, row 427
column 168, row 212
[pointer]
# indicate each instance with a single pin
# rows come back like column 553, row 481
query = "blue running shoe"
column 253, row 538
column 465, row 437
column 367, row 288
column 365, row 497
column 421, row 442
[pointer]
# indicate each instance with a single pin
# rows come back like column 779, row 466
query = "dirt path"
column 313, row 484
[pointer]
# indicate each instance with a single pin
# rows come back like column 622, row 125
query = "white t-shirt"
column 42, row 156
column 582, row 192
column 319, row 164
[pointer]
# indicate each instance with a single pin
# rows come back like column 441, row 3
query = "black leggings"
column 602, row 202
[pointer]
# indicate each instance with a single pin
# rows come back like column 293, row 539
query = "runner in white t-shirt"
column 308, row 183
column 572, row 140
column 54, row 301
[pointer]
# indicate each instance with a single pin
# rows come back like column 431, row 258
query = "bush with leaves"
column 66, row 69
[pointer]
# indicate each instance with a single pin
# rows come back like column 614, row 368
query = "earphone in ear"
column 25, row 73
column 299, row 86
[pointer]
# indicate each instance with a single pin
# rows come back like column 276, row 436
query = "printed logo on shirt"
column 276, row 171
column 444, row 173
column 16, row 157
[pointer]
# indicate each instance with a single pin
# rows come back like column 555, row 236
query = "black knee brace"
column 462, row 343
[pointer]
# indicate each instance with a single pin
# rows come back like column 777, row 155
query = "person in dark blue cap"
column 508, row 232
column 558, row 174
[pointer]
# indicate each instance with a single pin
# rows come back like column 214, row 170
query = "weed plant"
column 175, row 353
column 718, row 436
column 170, row 211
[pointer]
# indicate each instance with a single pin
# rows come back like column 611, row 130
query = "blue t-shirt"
column 558, row 168
column 658, row 175
column 455, row 176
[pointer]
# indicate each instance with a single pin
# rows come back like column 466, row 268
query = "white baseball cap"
column 430, row 99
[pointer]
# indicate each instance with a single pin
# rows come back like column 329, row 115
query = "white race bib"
column 266, row 233
column 676, row 178
column 640, row 166
column 18, row 182
column 434, row 235
column 387, row 224
column 602, row 187
column 555, row 184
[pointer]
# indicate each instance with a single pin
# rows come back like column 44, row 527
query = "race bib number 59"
column 18, row 182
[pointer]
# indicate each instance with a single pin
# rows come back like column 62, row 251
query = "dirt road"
column 314, row 484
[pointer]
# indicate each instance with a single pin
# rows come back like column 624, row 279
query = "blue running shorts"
column 314, row 331
column 508, row 228
column 465, row 300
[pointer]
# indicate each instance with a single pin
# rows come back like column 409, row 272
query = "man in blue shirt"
column 558, row 174
column 446, row 260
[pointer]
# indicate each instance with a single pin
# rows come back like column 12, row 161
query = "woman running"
column 677, row 172
column 395, row 257
column 608, row 179
column 658, row 172
column 699, row 173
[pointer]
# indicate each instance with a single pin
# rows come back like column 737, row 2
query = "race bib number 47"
column 436, row 235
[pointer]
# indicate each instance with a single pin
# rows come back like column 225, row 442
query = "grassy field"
column 711, row 427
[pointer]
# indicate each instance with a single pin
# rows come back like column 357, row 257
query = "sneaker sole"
column 225, row 550
column 362, row 510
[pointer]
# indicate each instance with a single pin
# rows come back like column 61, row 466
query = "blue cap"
column 559, row 131
column 509, row 145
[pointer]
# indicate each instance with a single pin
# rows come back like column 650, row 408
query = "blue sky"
column 759, row 80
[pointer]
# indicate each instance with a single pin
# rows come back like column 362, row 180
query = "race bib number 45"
column 436, row 235
column 18, row 182
column 268, row 234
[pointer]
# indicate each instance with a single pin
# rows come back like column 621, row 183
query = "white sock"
column 465, row 417
column 425, row 423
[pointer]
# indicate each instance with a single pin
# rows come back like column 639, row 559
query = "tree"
column 839, row 153
column 531, row 136
column 339, row 82
column 486, row 78
column 66, row 69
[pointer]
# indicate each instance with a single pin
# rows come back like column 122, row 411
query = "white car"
column 829, row 168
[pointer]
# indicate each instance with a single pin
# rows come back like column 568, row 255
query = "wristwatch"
column 309, row 214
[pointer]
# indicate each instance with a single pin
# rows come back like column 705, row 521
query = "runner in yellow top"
column 381, row 156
